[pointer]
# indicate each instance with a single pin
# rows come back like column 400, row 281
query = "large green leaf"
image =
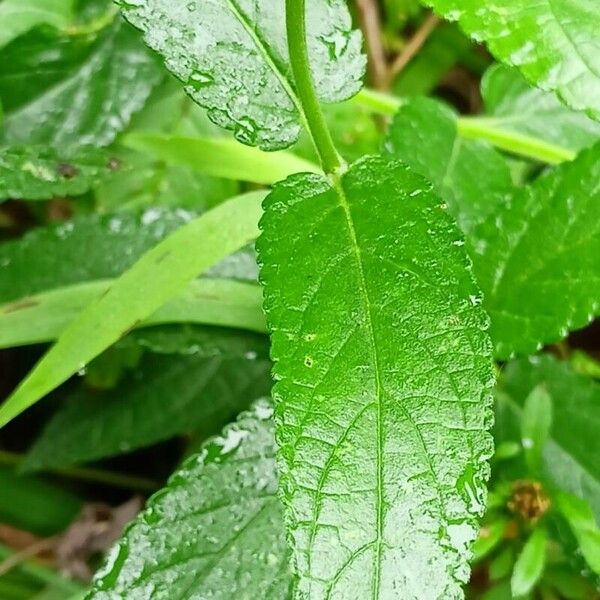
column 216, row 531
column 158, row 276
column 553, row 42
column 572, row 454
column 515, row 106
column 165, row 396
column 19, row 16
column 232, row 57
column 83, row 92
column 383, row 371
column 40, row 173
column 470, row 175
column 536, row 259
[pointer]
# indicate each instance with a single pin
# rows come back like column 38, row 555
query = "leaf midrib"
column 264, row 50
column 345, row 206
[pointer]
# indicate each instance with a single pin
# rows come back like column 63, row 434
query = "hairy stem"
column 295, row 18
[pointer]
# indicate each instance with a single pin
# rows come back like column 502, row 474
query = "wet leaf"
column 470, row 175
column 41, row 173
column 232, row 57
column 514, row 106
column 215, row 531
column 536, row 258
column 165, row 396
column 83, row 92
column 553, row 43
column 383, row 370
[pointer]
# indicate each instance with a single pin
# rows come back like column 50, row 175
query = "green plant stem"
column 118, row 480
column 479, row 128
column 295, row 18
column 516, row 143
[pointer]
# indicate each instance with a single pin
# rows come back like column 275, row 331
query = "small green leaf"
column 489, row 538
column 514, row 106
column 572, row 454
column 166, row 395
column 536, row 421
column 155, row 278
column 215, row 531
column 502, row 565
column 554, row 44
column 469, row 174
column 537, row 291
column 530, row 564
column 232, row 57
column 19, row 16
column 40, row 173
column 581, row 519
column 220, row 157
column 84, row 91
column 383, row 370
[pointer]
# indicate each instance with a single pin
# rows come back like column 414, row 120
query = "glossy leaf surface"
column 38, row 173
column 232, row 57
column 537, row 258
column 166, row 396
column 515, row 106
column 383, row 370
column 530, row 564
column 571, row 457
column 470, row 175
column 215, row 531
column 83, row 92
column 554, row 43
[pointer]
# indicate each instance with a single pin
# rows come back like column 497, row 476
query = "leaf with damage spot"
column 41, row 173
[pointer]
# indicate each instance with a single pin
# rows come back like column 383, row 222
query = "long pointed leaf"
column 158, row 276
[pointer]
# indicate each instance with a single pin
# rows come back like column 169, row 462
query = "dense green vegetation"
column 298, row 300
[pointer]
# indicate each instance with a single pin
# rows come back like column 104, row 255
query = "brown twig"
column 413, row 46
column 371, row 25
column 34, row 549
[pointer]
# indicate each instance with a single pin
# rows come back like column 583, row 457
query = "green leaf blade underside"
column 537, row 258
column 383, row 371
column 571, row 456
column 554, row 43
column 514, row 106
column 158, row 276
column 166, row 396
column 470, row 175
column 215, row 531
column 84, row 92
column 232, row 57
column 40, row 173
